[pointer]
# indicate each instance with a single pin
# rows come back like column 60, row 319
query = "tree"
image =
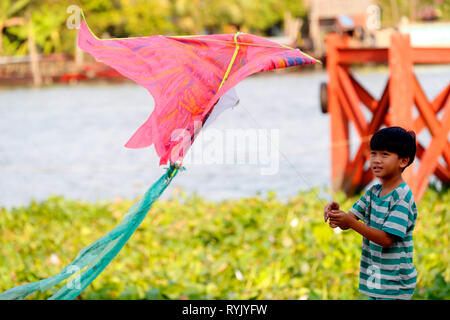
column 147, row 17
column 8, row 12
column 124, row 18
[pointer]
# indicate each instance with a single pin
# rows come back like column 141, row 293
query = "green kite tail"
column 96, row 256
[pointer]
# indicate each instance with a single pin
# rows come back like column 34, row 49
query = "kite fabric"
column 96, row 256
column 191, row 79
column 228, row 100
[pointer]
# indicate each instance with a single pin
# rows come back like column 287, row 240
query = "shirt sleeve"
column 400, row 213
column 360, row 207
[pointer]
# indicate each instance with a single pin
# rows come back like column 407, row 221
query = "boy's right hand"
column 330, row 206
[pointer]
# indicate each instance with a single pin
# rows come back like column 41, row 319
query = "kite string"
column 225, row 77
column 230, row 65
column 223, row 81
column 245, row 43
column 232, row 43
column 305, row 180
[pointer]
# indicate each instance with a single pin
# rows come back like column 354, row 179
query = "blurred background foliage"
column 394, row 10
column 190, row 248
column 122, row 18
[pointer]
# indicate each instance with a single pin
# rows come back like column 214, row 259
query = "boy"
column 389, row 214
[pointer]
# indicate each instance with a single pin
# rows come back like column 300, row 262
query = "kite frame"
column 200, row 37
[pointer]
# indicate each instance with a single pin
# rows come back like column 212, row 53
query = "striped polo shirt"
column 388, row 272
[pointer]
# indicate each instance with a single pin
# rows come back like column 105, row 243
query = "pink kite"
column 186, row 77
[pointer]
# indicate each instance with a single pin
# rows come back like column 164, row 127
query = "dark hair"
column 396, row 140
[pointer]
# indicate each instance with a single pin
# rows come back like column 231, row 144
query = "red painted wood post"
column 401, row 90
column 340, row 151
column 435, row 149
column 395, row 108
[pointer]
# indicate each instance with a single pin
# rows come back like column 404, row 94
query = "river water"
column 69, row 140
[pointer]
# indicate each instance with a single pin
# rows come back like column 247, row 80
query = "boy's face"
column 385, row 164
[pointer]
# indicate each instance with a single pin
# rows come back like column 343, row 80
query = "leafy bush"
column 190, row 248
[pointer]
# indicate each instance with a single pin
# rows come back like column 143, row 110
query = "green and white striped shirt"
column 388, row 272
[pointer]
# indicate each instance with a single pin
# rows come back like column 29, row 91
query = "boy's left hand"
column 340, row 218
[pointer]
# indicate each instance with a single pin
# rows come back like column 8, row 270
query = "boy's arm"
column 346, row 227
column 380, row 237
column 354, row 216
column 349, row 220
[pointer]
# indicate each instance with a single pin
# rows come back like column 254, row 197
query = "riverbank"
column 58, row 69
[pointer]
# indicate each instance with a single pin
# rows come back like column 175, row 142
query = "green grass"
column 190, row 248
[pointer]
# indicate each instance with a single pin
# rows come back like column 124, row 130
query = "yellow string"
column 232, row 60
column 230, row 65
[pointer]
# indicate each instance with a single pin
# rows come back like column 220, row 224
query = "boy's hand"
column 340, row 219
column 330, row 206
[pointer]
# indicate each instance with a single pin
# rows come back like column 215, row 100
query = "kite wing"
column 186, row 77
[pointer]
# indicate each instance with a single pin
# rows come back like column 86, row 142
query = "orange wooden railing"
column 402, row 93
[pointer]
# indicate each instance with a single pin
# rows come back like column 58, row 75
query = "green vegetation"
column 190, row 248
